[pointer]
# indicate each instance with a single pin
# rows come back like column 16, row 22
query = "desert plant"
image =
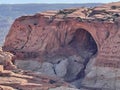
column 66, row 11
column 113, row 7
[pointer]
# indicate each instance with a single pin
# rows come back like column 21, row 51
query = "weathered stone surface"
column 28, row 64
column 90, row 64
column 103, row 78
column 104, row 72
column 39, row 36
column 61, row 68
column 47, row 68
column 81, row 32
column 24, row 80
column 1, row 68
column 63, row 88
column 6, row 88
column 77, row 83
column 17, row 79
column 74, row 68
column 7, row 60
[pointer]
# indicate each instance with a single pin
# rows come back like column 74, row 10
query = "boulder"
column 61, row 68
column 47, row 68
column 28, row 64
column 74, row 67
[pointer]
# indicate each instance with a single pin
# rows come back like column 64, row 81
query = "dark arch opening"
column 84, row 43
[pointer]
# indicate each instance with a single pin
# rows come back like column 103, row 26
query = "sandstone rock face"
column 85, row 33
column 24, row 80
column 59, row 68
column 12, row 78
column 6, row 61
column 6, row 88
column 1, row 68
column 40, row 35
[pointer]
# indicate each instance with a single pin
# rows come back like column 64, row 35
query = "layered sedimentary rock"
column 12, row 78
column 71, row 37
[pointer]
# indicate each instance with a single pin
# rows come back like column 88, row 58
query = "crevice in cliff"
column 28, row 36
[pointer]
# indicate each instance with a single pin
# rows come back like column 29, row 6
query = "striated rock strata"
column 69, row 42
column 12, row 78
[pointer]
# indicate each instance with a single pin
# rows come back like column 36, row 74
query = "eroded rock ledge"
column 69, row 42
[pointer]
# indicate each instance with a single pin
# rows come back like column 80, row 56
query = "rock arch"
column 90, row 28
column 84, row 41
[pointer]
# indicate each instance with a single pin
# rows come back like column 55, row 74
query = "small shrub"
column 113, row 7
column 66, row 11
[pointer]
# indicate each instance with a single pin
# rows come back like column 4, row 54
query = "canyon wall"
column 91, row 33
column 31, row 36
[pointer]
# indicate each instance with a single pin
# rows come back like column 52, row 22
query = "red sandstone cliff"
column 50, row 31
column 82, row 32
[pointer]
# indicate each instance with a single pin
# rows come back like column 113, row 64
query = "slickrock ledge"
column 88, row 39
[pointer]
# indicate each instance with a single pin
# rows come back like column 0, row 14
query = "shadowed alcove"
column 84, row 43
